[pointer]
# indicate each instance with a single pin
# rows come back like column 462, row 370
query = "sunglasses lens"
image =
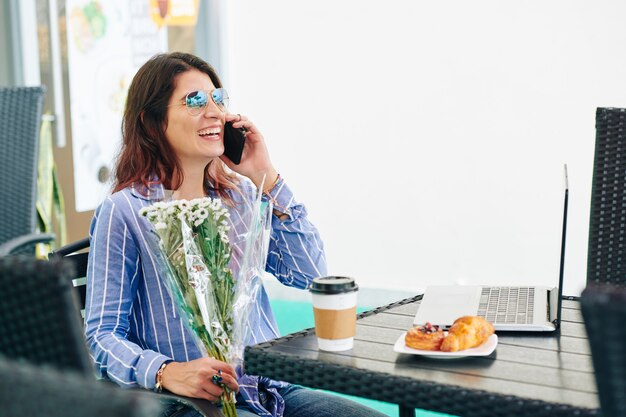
column 220, row 97
column 196, row 101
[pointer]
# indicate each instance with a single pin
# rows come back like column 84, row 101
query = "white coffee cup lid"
column 333, row 285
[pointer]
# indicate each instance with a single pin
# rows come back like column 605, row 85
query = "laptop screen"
column 563, row 240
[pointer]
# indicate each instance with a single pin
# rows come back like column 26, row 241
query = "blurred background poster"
column 107, row 42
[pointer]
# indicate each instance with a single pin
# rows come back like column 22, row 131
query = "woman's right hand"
column 193, row 378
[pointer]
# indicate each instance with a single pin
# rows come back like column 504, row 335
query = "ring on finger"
column 217, row 378
column 239, row 117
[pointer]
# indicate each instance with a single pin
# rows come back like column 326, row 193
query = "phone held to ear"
column 234, row 139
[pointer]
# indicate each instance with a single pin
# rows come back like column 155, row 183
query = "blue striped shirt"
column 131, row 323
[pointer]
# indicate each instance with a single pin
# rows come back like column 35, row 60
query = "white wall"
column 427, row 138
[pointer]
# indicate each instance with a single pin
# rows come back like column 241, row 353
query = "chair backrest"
column 20, row 121
column 604, row 311
column 38, row 309
column 606, row 260
column 75, row 253
column 27, row 390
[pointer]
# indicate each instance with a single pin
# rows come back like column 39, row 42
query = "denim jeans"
column 299, row 402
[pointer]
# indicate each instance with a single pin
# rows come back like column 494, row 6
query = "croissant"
column 426, row 337
column 467, row 332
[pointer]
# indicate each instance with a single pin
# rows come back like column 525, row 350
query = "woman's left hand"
column 255, row 161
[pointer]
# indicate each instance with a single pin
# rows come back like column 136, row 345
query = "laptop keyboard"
column 507, row 305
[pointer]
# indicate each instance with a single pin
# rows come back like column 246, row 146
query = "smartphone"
column 234, row 139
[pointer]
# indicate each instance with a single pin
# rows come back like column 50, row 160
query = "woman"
column 173, row 129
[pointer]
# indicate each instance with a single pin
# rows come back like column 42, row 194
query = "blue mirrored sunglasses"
column 196, row 101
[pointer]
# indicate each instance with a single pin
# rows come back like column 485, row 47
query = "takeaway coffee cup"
column 334, row 306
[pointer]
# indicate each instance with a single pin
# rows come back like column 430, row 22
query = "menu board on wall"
column 107, row 42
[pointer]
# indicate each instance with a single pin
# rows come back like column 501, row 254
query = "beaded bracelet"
column 282, row 215
column 158, row 386
column 269, row 190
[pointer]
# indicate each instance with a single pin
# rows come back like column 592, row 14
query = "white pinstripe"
column 158, row 281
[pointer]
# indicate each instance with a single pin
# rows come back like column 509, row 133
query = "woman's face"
column 195, row 139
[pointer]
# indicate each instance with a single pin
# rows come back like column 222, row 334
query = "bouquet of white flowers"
column 197, row 239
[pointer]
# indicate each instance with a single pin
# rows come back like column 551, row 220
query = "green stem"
column 228, row 404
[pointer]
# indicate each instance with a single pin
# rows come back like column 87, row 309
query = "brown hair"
column 146, row 156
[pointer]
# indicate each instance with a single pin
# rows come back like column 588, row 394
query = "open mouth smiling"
column 209, row 132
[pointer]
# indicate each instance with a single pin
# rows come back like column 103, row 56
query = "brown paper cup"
column 334, row 307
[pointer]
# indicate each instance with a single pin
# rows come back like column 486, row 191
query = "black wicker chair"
column 77, row 254
column 20, row 120
column 28, row 390
column 606, row 260
column 604, row 311
column 38, row 309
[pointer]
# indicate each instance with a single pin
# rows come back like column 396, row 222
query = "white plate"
column 482, row 350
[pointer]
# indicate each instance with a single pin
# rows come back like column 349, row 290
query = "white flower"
column 160, row 205
column 160, row 226
column 202, row 213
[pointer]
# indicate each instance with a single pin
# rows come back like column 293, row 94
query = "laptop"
column 533, row 308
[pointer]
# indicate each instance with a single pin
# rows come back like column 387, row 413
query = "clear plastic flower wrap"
column 213, row 266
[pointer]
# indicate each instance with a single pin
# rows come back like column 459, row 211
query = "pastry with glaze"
column 426, row 337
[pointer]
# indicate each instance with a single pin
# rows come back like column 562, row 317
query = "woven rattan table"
column 528, row 374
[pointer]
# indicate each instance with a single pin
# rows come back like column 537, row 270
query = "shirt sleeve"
column 112, row 278
column 296, row 251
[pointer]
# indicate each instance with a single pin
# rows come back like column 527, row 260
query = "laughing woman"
column 173, row 130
